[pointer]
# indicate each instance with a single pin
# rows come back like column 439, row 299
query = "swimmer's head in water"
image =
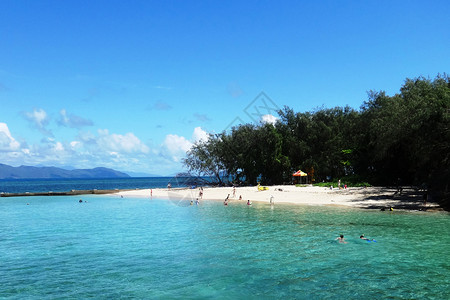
column 342, row 236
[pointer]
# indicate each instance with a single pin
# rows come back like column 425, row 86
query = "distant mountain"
column 28, row 172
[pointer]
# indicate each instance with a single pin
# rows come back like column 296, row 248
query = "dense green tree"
column 405, row 136
column 408, row 134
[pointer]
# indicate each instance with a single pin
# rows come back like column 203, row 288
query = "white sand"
column 372, row 197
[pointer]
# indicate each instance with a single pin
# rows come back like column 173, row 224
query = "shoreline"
column 352, row 197
column 356, row 197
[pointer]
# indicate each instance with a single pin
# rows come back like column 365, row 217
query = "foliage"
column 403, row 138
column 205, row 158
column 350, row 181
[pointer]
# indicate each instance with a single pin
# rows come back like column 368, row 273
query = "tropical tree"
column 205, row 159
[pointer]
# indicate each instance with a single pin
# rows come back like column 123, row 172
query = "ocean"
column 65, row 185
column 142, row 248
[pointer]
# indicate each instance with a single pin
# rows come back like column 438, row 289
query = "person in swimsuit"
column 341, row 239
column 366, row 239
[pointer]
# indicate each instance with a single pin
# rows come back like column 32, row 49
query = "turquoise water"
column 113, row 248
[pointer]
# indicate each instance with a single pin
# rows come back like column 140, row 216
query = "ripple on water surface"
column 111, row 247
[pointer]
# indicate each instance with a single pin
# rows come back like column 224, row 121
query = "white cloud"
column 177, row 146
column 125, row 152
column 58, row 147
column 39, row 116
column 75, row 144
column 7, row 142
column 88, row 150
column 128, row 143
column 199, row 135
column 87, row 137
column 73, row 121
column 39, row 119
column 270, row 119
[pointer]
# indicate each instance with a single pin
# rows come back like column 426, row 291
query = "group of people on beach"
column 341, row 239
column 343, row 186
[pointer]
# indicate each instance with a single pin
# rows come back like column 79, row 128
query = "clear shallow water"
column 111, row 247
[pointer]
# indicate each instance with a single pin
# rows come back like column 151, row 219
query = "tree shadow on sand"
column 407, row 198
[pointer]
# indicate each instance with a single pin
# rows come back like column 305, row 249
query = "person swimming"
column 341, row 239
column 366, row 239
column 248, row 202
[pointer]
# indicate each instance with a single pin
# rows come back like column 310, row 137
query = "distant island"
column 30, row 172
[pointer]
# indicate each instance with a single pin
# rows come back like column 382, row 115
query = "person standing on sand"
column 234, row 192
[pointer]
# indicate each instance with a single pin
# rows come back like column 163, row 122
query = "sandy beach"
column 371, row 197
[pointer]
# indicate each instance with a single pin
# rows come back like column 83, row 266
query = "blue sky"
column 132, row 84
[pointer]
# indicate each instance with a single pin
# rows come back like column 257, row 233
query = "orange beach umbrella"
column 299, row 173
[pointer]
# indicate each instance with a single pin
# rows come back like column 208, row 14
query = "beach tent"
column 301, row 174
